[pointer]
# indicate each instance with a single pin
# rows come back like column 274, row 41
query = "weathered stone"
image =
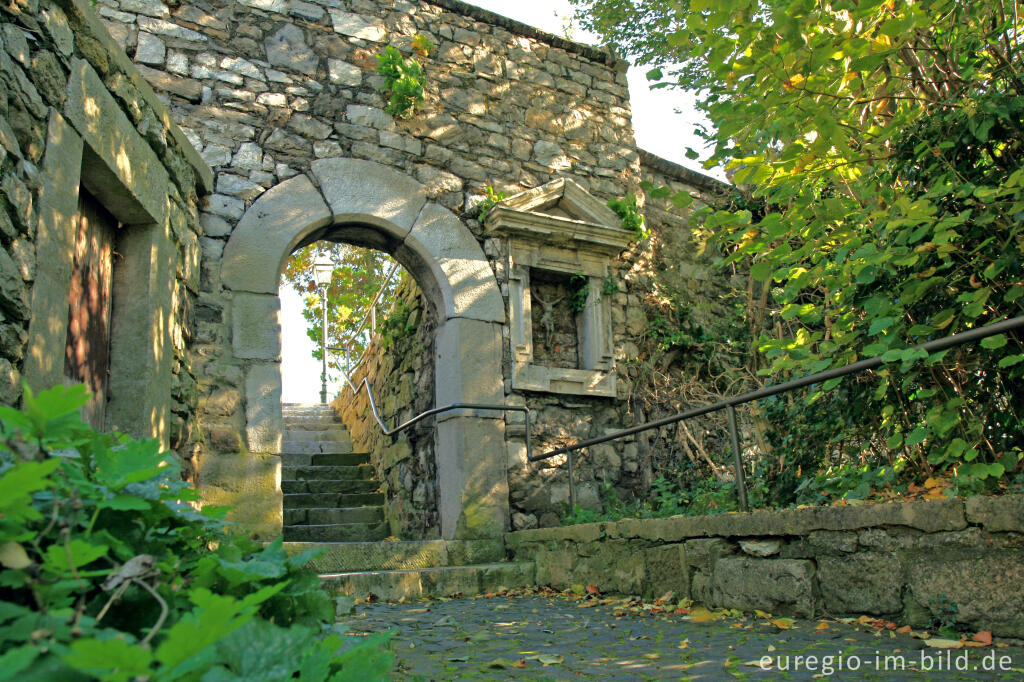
column 249, row 156
column 357, row 26
column 861, row 583
column 263, row 422
column 1005, row 513
column 365, row 191
column 472, row 490
column 14, row 294
column 150, row 50
column 170, row 29
column 225, row 206
column 987, row 591
column 309, row 127
column 152, row 8
column 236, row 186
column 760, row 548
column 703, row 553
column 56, row 24
column 369, row 116
column 287, row 48
column 10, row 383
column 214, row 226
column 666, row 570
column 836, row 541
column 186, row 88
column 344, row 73
column 255, row 326
column 779, row 586
column 248, row 483
column 549, row 154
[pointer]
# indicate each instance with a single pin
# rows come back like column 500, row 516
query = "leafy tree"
column 878, row 147
column 358, row 275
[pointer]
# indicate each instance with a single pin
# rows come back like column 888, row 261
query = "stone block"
column 255, row 326
column 995, row 514
column 249, row 485
column 987, row 590
column 268, row 232
column 150, row 50
column 703, row 553
column 343, row 73
column 472, row 485
column 864, row 582
column 366, row 192
column 666, row 569
column 121, row 158
column 778, row 586
column 357, row 26
column 458, row 265
column 287, row 48
column 468, row 363
column 263, row 422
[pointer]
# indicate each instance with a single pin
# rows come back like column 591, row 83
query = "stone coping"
column 682, row 173
column 1005, row 513
column 85, row 12
column 594, row 54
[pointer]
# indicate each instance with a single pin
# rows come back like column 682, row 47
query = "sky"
column 663, row 122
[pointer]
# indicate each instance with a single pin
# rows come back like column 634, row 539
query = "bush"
column 109, row 572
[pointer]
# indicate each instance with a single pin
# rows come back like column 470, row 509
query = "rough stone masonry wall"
column 914, row 562
column 401, row 373
column 64, row 80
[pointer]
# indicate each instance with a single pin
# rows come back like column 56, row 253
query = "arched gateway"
column 367, row 204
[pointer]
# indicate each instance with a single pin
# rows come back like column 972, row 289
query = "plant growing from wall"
column 108, row 571
column 609, row 286
column 491, row 199
column 628, row 210
column 579, row 292
column 404, row 80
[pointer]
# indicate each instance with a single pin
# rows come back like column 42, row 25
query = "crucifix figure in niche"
column 547, row 319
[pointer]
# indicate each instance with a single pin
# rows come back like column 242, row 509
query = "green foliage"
column 628, row 211
column 878, row 151
column 358, row 275
column 609, row 286
column 403, row 81
column 490, row 200
column 397, row 326
column 109, row 572
column 579, row 292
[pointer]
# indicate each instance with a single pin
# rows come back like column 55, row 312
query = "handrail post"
column 572, row 482
column 741, row 486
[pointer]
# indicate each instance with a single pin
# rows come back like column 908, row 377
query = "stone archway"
column 365, row 203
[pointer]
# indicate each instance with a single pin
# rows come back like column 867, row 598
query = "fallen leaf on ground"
column 783, row 623
column 699, row 614
column 546, row 659
column 592, row 589
column 940, row 643
column 904, row 630
column 822, row 625
column 984, row 637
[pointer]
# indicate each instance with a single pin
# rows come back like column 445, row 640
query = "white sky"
column 663, row 122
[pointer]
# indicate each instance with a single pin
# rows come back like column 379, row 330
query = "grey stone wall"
column 914, row 561
column 73, row 109
column 401, row 374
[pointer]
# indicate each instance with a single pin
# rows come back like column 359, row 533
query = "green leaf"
column 111, row 659
column 761, row 271
column 14, row 661
column 992, row 342
column 917, row 436
column 81, row 554
column 1010, row 361
column 125, row 503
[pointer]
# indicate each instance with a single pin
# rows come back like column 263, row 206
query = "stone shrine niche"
column 561, row 240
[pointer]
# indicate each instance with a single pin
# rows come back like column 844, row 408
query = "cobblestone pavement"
column 556, row 637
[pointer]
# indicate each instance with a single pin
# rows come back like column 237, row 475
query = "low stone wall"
column 914, row 562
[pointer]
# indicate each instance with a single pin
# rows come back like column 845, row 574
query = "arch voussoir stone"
column 366, row 192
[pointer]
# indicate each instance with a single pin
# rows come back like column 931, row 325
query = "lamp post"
column 323, row 270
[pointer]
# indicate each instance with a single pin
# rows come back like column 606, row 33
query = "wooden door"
column 87, row 353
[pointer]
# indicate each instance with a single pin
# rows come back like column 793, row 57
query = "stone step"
column 343, row 557
column 310, row 500
column 329, row 435
column 314, row 447
column 310, row 423
column 319, row 516
column 348, row 459
column 324, row 473
column 439, row 581
column 336, row 532
column 306, row 406
column 329, row 486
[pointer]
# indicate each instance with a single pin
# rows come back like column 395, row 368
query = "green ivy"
column 491, row 199
column 579, row 292
column 108, row 571
column 628, row 211
column 403, row 82
column 609, row 286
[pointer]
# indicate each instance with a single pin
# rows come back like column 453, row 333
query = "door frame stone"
column 368, row 204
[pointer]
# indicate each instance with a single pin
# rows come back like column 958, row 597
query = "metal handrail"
column 768, row 391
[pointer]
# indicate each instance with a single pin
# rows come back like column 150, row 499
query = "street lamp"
column 323, row 270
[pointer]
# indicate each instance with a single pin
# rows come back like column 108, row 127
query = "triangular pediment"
column 559, row 212
column 563, row 198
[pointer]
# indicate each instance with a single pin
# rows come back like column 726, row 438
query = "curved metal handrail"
column 730, row 404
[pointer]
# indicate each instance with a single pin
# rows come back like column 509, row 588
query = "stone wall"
column 913, row 562
column 399, row 367
column 74, row 112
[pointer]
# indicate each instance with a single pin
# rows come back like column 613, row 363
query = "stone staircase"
column 332, row 502
column 330, row 494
